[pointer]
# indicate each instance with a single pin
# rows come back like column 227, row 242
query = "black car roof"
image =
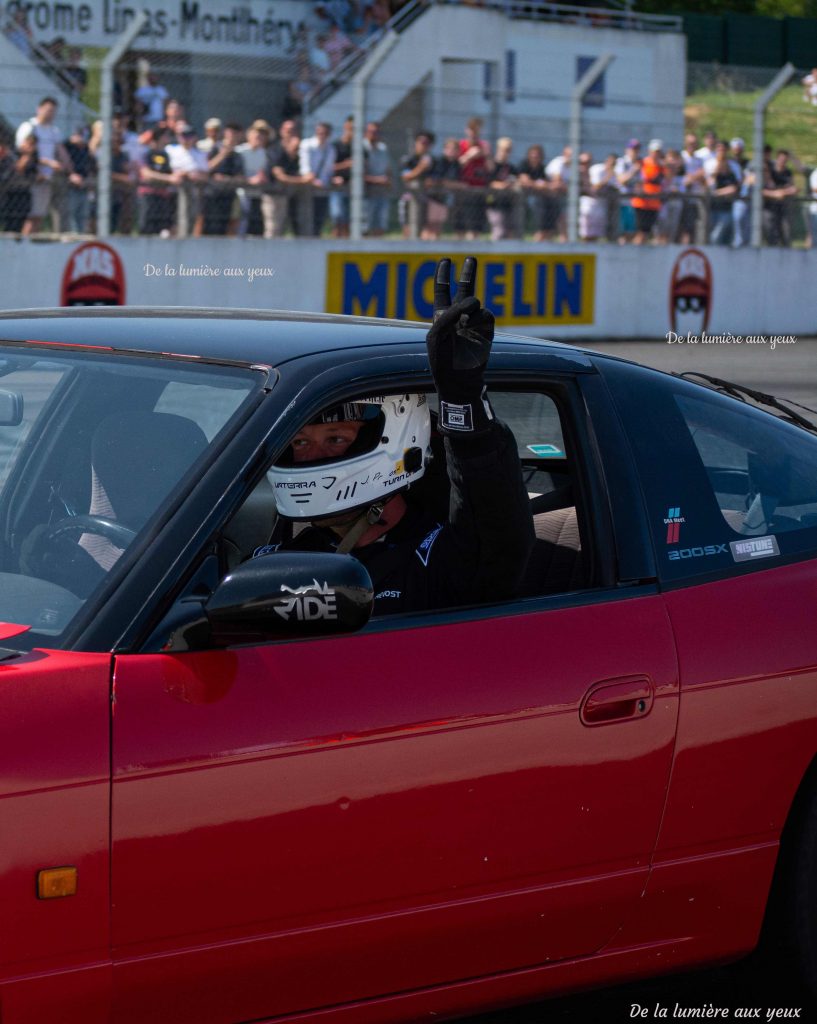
column 266, row 337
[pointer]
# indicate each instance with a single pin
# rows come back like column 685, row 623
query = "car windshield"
column 93, row 449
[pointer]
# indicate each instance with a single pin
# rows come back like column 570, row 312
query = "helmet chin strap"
column 359, row 527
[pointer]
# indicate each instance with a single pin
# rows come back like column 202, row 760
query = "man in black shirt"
column 778, row 190
column 226, row 168
column 533, row 179
column 415, row 169
column 157, row 192
column 347, row 472
column 339, row 198
column 17, row 174
column 287, row 172
column 83, row 169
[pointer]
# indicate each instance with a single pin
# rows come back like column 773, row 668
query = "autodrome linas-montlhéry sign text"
column 204, row 26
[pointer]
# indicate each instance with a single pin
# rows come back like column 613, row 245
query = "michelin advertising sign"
column 520, row 290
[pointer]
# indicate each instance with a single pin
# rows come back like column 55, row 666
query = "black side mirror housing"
column 290, row 595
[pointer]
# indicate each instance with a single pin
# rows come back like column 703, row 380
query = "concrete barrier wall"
column 564, row 292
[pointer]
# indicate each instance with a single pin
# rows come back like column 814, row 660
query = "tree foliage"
column 769, row 8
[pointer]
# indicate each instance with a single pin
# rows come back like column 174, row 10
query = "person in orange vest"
column 647, row 201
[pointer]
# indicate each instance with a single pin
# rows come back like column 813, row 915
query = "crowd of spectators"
column 698, row 193
column 170, row 179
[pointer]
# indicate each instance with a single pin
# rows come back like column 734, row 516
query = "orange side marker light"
column 54, row 883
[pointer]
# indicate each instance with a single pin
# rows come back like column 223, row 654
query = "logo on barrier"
column 520, row 290
column 690, row 294
column 93, row 276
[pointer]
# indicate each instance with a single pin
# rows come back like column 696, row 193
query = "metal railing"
column 598, row 17
column 426, row 211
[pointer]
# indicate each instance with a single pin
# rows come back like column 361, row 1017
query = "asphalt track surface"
column 764, row 980
column 758, row 982
column 786, row 371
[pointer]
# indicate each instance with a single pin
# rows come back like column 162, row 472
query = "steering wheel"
column 51, row 552
column 117, row 533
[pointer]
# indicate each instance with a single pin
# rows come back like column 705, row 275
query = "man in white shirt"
column 185, row 156
column 693, row 184
column 212, row 136
column 257, row 210
column 189, row 165
column 707, row 150
column 318, row 157
column 52, row 156
column 809, row 83
column 558, row 172
column 812, row 210
column 599, row 188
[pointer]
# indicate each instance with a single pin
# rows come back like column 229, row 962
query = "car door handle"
column 617, row 700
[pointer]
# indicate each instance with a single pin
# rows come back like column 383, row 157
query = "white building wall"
column 644, row 86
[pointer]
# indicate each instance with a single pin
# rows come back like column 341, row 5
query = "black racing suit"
column 477, row 555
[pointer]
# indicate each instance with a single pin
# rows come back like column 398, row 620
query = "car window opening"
column 92, row 448
column 558, row 562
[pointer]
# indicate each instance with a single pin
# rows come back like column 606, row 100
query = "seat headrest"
column 138, row 457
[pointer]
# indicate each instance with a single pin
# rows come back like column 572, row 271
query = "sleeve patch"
column 265, row 549
column 424, row 550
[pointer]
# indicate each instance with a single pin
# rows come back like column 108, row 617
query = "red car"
column 216, row 812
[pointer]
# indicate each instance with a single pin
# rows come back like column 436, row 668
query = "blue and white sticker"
column 546, row 451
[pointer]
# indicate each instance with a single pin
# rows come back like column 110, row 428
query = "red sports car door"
column 54, row 823
column 307, row 823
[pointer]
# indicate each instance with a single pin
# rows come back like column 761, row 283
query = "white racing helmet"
column 391, row 451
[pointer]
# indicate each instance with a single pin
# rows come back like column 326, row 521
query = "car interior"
column 88, row 454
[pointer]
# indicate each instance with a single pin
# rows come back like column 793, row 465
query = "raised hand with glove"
column 459, row 344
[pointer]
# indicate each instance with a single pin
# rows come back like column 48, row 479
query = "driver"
column 347, row 474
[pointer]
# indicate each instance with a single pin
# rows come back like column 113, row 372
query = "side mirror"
column 289, row 595
column 11, row 408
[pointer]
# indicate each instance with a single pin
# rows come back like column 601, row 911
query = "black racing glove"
column 459, row 343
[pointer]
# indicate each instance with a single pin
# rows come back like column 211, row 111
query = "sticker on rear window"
column 546, row 451
column 754, row 547
column 673, row 521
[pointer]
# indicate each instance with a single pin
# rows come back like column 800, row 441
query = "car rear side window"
column 763, row 472
column 729, row 487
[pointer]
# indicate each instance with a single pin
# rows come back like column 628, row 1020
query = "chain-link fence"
column 721, row 99
column 205, row 145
